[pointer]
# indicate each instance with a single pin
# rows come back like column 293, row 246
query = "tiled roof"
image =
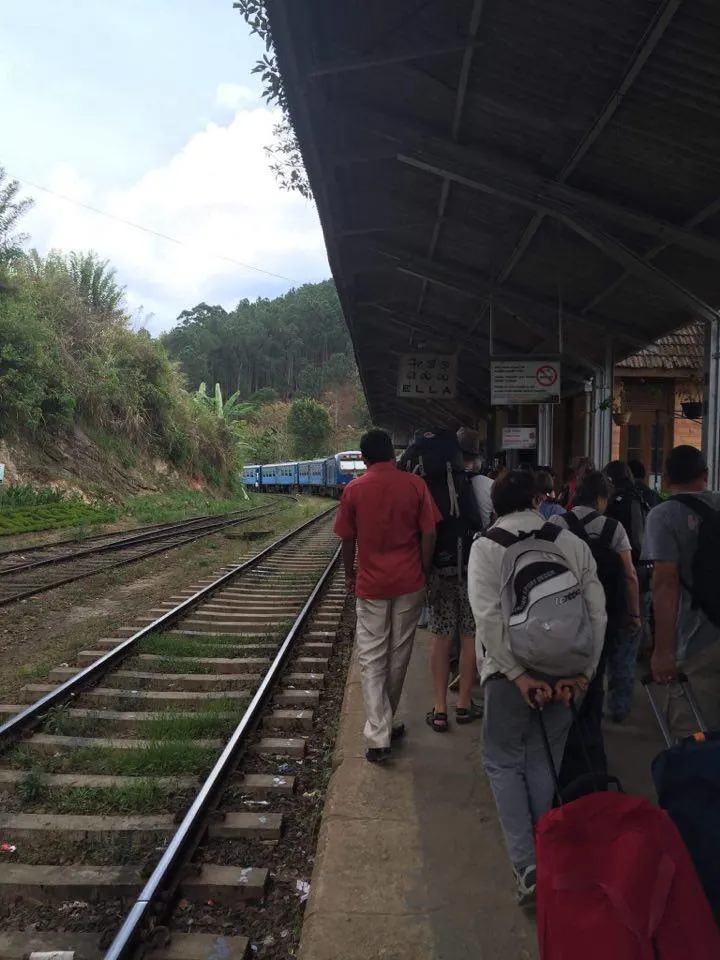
column 682, row 350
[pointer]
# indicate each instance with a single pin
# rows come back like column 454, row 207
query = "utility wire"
column 154, row 233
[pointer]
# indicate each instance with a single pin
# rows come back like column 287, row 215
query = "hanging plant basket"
column 621, row 418
column 692, row 409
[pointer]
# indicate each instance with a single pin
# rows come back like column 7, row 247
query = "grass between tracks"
column 164, row 758
column 216, row 645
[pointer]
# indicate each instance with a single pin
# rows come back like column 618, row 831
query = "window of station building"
column 634, row 442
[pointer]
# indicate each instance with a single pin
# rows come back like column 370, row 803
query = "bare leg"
column 468, row 670
column 440, row 670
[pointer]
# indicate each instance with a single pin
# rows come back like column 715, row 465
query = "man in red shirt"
column 390, row 517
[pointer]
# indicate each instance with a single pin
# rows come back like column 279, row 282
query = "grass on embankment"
column 24, row 510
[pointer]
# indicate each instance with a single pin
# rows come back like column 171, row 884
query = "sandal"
column 437, row 721
column 468, row 714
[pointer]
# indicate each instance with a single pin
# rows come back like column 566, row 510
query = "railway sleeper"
column 20, row 944
column 119, row 696
column 134, row 828
column 58, row 884
column 147, row 680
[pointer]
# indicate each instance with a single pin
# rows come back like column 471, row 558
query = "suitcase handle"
column 597, row 782
column 682, row 681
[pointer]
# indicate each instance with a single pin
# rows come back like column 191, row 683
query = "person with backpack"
column 548, row 507
column 650, row 498
column 540, row 614
column 682, row 540
column 626, row 505
column 437, row 458
column 386, row 521
column 611, row 550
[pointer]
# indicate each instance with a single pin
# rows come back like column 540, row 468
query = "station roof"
column 478, row 159
column 682, row 350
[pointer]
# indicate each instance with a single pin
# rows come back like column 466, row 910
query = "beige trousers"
column 385, row 633
column 703, row 672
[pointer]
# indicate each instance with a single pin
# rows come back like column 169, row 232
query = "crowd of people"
column 548, row 592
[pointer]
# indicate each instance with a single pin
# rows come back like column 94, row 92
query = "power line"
column 154, row 233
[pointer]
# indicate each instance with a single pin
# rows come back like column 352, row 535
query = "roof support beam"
column 477, row 287
column 388, row 59
column 463, row 79
column 515, row 193
column 704, row 214
column 658, row 25
column 554, row 199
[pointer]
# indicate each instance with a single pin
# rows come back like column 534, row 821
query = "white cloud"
column 232, row 95
column 217, row 196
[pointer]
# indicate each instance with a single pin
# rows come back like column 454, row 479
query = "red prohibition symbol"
column 546, row 376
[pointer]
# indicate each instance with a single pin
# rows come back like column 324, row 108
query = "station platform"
column 410, row 862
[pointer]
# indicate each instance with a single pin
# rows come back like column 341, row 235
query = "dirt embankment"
column 74, row 462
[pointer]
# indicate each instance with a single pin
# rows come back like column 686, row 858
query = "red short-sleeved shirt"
column 385, row 510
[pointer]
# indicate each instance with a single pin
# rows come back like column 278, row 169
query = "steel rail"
column 165, row 878
column 166, row 544
column 33, row 714
column 143, row 528
column 149, row 536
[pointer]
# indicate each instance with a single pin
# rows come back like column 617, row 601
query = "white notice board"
column 427, row 376
column 524, row 381
column 519, row 438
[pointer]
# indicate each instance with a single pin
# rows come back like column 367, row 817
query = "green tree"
column 12, row 209
column 285, row 157
column 96, row 282
column 309, row 427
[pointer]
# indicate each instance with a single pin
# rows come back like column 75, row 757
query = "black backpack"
column 629, row 508
column 611, row 571
column 436, row 457
column 433, row 454
column 705, row 591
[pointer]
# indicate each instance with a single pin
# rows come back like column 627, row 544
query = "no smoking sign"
column 546, row 375
column 515, row 382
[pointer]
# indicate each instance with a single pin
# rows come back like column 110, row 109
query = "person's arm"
column 428, row 519
column 345, row 528
column 594, row 597
column 348, row 558
column 665, row 599
column 633, row 589
column 427, row 549
column 663, row 549
column 484, row 596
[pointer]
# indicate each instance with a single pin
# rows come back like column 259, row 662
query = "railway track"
column 143, row 788
column 25, row 573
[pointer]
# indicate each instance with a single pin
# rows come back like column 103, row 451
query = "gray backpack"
column 549, row 630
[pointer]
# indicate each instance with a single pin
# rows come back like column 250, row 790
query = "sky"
column 149, row 112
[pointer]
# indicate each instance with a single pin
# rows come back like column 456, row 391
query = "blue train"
column 327, row 475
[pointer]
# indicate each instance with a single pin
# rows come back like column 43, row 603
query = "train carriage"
column 329, row 475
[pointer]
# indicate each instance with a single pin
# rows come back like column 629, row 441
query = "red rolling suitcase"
column 615, row 882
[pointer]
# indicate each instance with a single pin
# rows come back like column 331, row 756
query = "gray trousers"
column 385, row 632
column 516, row 763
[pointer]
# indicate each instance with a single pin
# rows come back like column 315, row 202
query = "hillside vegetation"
column 266, row 380
column 68, row 356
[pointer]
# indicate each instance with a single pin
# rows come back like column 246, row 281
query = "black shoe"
column 398, row 732
column 377, row 754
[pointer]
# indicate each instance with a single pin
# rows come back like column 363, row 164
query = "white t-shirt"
column 481, row 488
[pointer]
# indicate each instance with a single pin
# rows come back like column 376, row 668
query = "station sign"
column 427, row 376
column 519, row 438
column 524, row 381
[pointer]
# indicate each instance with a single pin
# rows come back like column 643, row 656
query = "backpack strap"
column 576, row 526
column 606, row 535
column 502, row 537
column 698, row 506
column 548, row 532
